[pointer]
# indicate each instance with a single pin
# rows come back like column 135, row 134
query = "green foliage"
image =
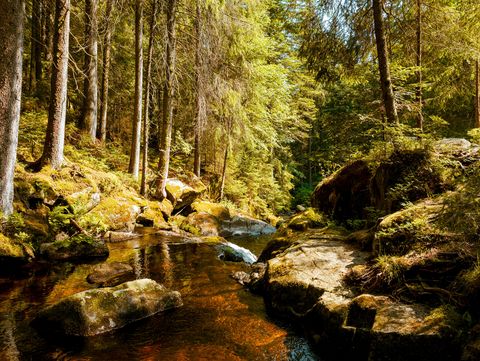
column 59, row 219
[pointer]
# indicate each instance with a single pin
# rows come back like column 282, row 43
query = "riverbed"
column 220, row 320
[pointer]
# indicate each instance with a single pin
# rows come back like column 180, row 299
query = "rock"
column 402, row 332
column 14, row 253
column 364, row 238
column 145, row 221
column 102, row 310
column 205, row 223
column 232, row 253
column 252, row 279
column 452, row 144
column 346, row 193
column 217, row 210
column 274, row 247
column 401, row 231
column 79, row 247
column 116, row 236
column 309, row 218
column 305, row 283
column 309, row 273
column 245, row 226
column 406, row 176
column 181, row 194
column 300, row 208
column 111, row 274
column 85, row 200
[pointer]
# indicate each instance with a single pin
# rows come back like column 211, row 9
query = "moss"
column 10, row 248
column 215, row 209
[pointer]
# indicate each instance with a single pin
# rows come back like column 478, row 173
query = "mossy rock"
column 215, row 209
column 346, row 193
column 79, row 247
column 13, row 252
column 181, row 194
column 205, row 224
column 413, row 228
column 102, row 310
column 309, row 218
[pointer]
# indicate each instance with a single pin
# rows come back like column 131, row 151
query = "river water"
column 220, row 320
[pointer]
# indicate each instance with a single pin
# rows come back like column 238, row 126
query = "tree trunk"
column 477, row 94
column 134, row 165
column 107, row 45
column 36, row 45
column 146, row 115
column 200, row 96
column 90, row 85
column 383, row 64
column 48, row 31
column 419, row 94
column 11, row 52
column 55, row 137
column 168, row 95
column 224, row 172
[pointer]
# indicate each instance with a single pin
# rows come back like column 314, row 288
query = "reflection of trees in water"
column 166, row 264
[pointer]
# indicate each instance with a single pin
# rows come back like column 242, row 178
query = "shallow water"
column 219, row 320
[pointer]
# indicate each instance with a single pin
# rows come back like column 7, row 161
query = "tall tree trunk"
column 200, row 95
column 477, row 94
column 134, row 165
column 36, row 45
column 90, row 85
column 383, row 64
column 48, row 31
column 55, row 137
column 419, row 94
column 107, row 45
column 224, row 172
column 11, row 51
column 168, row 95
column 146, row 115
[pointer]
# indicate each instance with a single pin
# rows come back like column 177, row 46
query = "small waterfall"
column 235, row 253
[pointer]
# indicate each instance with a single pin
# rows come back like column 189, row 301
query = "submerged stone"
column 111, row 274
column 102, row 310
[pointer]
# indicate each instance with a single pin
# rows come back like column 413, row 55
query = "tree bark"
column 134, row 165
column 419, row 95
column 11, row 51
column 224, row 172
column 55, row 137
column 200, row 95
column 477, row 94
column 383, row 64
column 146, row 115
column 168, row 95
column 107, row 45
column 90, row 85
column 36, row 45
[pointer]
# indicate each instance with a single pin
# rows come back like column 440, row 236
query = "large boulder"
column 241, row 225
column 305, row 282
column 205, row 223
column 346, row 193
column 111, row 274
column 80, row 247
column 406, row 176
column 217, row 210
column 182, row 194
column 102, row 310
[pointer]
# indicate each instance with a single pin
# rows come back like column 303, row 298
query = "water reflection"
column 219, row 321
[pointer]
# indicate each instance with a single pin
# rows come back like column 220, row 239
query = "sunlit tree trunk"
column 134, row 165
column 419, row 94
column 90, row 85
column 228, row 128
column 11, row 50
column 107, row 45
column 477, row 94
column 146, row 115
column 55, row 137
column 383, row 64
column 168, row 95
column 200, row 94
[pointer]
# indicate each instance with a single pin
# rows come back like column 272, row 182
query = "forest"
column 240, row 180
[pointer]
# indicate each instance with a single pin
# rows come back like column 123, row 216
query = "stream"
column 220, row 320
